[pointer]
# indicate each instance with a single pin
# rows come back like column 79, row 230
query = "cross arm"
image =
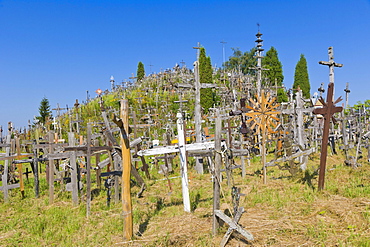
column 234, row 225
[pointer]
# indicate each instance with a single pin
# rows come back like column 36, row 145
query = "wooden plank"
column 74, row 178
column 201, row 153
column 183, row 163
column 47, row 145
column 20, row 156
column 293, row 156
column 230, row 231
column 84, row 148
column 88, row 169
column 126, row 172
column 51, row 170
column 176, row 149
column 9, row 186
column 235, row 226
column 217, row 173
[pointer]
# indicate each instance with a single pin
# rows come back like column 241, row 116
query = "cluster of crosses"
column 258, row 121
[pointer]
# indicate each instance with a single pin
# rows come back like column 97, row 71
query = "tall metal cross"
column 259, row 57
column 327, row 111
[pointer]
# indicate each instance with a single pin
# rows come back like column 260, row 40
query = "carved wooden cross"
column 58, row 109
column 327, row 111
column 197, row 108
column 331, row 64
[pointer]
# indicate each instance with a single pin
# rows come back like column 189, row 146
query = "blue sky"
column 62, row 49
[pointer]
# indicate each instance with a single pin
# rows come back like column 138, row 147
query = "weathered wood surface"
column 216, row 173
column 233, row 225
column 74, row 173
column 126, row 171
column 293, row 156
column 88, row 170
column 5, row 187
column 50, row 170
column 176, row 149
column 183, row 163
column 230, row 231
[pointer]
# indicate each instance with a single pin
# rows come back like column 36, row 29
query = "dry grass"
column 285, row 212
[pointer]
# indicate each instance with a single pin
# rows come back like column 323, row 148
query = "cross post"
column 347, row 92
column 327, row 111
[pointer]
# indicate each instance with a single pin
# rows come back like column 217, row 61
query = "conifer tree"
column 301, row 77
column 207, row 96
column 274, row 74
column 44, row 111
column 242, row 61
column 140, row 74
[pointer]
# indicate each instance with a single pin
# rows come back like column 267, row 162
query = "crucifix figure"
column 331, row 64
column 327, row 111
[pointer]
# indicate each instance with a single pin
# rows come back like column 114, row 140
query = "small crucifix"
column 331, row 64
column 327, row 111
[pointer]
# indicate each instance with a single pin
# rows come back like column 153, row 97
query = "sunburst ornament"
column 263, row 116
column 263, row 113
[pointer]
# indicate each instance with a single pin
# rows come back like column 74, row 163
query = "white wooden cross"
column 180, row 148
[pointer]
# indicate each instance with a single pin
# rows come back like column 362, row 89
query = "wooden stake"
column 51, row 169
column 5, row 186
column 88, row 170
column 36, row 171
column 74, row 174
column 183, row 160
column 126, row 173
column 217, row 173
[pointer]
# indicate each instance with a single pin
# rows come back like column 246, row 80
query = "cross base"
column 234, row 225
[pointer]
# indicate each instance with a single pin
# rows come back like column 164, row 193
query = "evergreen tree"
column 242, row 61
column 44, row 111
column 140, row 74
column 274, row 74
column 207, row 96
column 301, row 77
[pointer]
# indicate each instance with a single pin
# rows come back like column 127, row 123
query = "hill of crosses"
column 196, row 156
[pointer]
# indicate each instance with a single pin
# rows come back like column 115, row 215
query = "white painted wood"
column 176, row 149
column 184, row 171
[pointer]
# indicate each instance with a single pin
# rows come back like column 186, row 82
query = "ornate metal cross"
column 327, row 111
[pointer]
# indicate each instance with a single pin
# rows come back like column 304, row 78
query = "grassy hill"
column 287, row 211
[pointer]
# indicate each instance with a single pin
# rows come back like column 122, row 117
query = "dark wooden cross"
column 327, row 111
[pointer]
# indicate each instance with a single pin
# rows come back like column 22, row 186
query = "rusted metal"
column 327, row 112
